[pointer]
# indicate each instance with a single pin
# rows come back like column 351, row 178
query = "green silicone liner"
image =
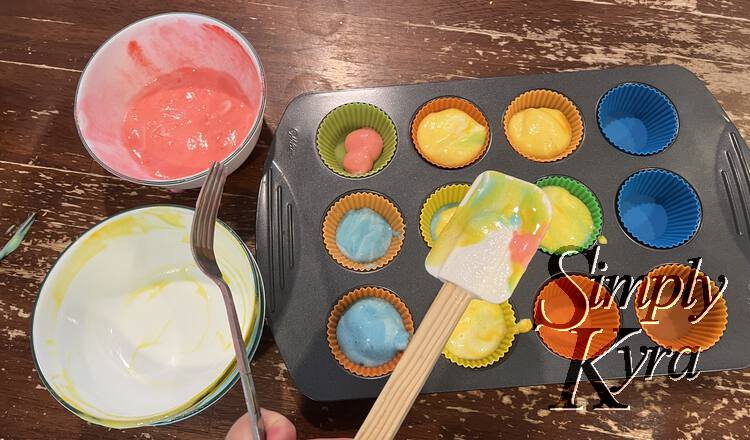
column 343, row 120
column 588, row 198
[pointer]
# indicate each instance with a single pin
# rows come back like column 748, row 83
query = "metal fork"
column 202, row 245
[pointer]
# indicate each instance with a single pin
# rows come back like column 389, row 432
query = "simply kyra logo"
column 678, row 307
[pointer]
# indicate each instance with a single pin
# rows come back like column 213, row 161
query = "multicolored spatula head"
column 491, row 237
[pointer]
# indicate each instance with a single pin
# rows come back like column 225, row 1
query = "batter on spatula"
column 491, row 237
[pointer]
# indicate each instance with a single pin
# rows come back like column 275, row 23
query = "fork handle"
column 257, row 427
column 412, row 370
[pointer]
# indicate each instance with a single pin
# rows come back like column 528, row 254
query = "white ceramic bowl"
column 114, row 75
column 127, row 331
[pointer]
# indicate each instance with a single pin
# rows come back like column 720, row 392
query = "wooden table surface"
column 311, row 46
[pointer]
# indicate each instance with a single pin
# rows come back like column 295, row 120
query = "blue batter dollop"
column 363, row 235
column 371, row 332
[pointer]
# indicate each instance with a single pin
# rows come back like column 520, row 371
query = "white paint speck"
column 13, row 333
column 45, row 112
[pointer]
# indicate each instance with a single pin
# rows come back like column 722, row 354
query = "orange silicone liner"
column 359, row 200
column 562, row 299
column 445, row 103
column 674, row 329
column 338, row 310
column 547, row 99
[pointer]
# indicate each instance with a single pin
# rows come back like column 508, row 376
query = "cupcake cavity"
column 637, row 119
column 691, row 328
column 540, row 133
column 543, row 125
column 577, row 215
column 572, row 225
column 371, row 332
column 576, row 301
column 479, row 332
column 363, row 147
column 441, row 218
column 363, row 235
column 438, row 209
column 450, row 137
column 361, row 121
column 658, row 208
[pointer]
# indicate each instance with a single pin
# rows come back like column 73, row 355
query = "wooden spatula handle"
column 402, row 388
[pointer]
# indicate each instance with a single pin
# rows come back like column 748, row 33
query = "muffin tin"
column 303, row 282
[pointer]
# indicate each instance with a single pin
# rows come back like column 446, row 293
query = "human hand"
column 277, row 426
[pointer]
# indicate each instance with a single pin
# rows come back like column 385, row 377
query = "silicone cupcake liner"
column 444, row 103
column 637, row 119
column 443, row 196
column 359, row 200
column 658, row 208
column 343, row 120
column 338, row 310
column 562, row 298
column 512, row 329
column 586, row 196
column 548, row 99
column 674, row 330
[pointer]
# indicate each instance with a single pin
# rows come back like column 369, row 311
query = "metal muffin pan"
column 303, row 282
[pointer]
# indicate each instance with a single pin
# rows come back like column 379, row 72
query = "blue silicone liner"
column 658, row 208
column 637, row 119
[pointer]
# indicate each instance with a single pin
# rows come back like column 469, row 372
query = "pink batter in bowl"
column 167, row 95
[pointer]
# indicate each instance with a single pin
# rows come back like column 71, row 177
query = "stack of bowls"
column 128, row 332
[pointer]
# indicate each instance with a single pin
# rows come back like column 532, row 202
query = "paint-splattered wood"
column 317, row 45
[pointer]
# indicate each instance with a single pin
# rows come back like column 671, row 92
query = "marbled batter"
column 451, row 137
column 479, row 332
column 441, row 218
column 571, row 225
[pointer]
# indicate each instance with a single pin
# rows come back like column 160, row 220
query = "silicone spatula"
column 481, row 253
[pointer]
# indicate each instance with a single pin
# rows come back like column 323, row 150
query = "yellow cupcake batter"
column 451, row 137
column 479, row 332
column 540, row 133
column 571, row 224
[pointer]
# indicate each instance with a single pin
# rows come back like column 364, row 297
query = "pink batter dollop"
column 363, row 147
column 184, row 120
